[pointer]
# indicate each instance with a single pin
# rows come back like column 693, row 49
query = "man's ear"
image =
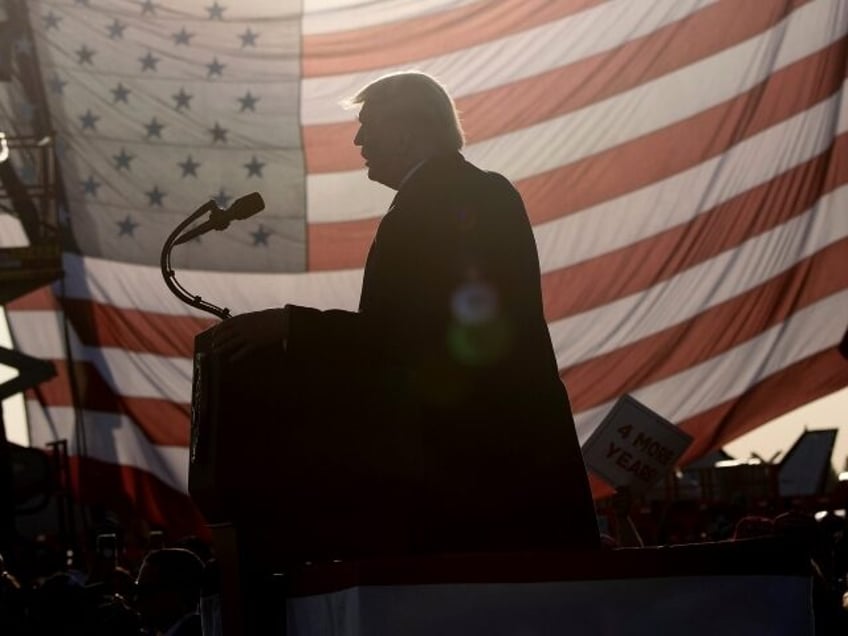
column 405, row 141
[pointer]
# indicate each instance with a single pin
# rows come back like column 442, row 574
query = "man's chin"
column 374, row 175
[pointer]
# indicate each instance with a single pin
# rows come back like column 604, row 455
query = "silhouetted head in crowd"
column 197, row 545
column 831, row 524
column 168, row 587
column 798, row 527
column 60, row 605
column 752, row 527
column 113, row 617
column 12, row 614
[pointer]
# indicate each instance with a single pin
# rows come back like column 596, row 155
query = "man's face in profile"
column 383, row 145
column 153, row 600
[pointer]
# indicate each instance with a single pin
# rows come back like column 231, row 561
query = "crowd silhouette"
column 46, row 589
column 174, row 585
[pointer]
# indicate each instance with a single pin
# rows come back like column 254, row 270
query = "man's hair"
column 416, row 99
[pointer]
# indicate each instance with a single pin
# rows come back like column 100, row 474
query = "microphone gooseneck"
column 242, row 208
column 219, row 219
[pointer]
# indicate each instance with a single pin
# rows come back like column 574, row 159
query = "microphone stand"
column 168, row 273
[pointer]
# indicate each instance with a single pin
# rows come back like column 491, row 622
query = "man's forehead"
column 371, row 112
column 366, row 112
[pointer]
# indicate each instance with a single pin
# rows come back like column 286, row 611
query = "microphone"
column 219, row 219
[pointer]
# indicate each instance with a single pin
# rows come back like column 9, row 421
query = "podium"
column 291, row 462
column 295, row 480
column 732, row 589
column 281, row 477
column 293, row 469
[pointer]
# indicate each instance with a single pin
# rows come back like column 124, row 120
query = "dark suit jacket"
column 448, row 374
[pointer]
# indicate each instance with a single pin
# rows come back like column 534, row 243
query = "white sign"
column 634, row 446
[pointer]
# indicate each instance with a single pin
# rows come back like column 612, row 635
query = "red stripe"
column 133, row 329
column 103, row 325
column 39, row 299
column 593, row 382
column 163, row 422
column 348, row 253
column 623, row 169
column 329, row 147
column 135, row 491
column 342, row 245
column 799, row 384
column 604, row 278
column 123, row 488
column 132, row 493
column 686, row 144
column 100, row 324
column 423, row 37
column 709, row 334
column 568, row 291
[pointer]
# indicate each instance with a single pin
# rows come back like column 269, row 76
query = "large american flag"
column 683, row 162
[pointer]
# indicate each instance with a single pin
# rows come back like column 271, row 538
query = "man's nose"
column 357, row 141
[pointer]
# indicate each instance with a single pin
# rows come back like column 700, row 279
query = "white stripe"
column 684, row 196
column 685, row 295
column 110, row 438
column 513, row 57
column 128, row 373
column 715, row 381
column 44, row 334
column 619, row 119
column 334, row 197
column 106, row 281
column 561, row 243
column 683, row 395
column 576, row 338
column 143, row 375
column 669, row 99
column 12, row 233
column 679, row 198
column 329, row 16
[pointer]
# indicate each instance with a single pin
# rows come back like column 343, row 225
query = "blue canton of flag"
column 165, row 105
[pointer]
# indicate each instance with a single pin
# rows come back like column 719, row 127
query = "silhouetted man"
column 447, row 369
column 167, row 592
